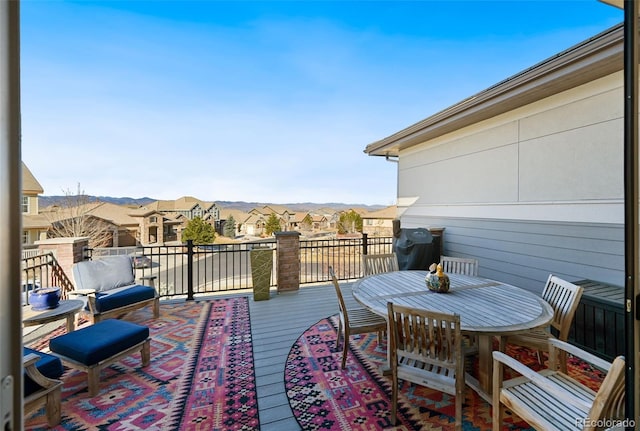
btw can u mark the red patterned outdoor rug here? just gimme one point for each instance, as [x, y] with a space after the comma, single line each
[201, 376]
[325, 397]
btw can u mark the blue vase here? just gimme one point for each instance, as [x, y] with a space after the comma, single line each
[44, 298]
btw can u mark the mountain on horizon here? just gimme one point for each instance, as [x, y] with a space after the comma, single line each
[45, 201]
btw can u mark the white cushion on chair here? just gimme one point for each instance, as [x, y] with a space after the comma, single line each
[104, 274]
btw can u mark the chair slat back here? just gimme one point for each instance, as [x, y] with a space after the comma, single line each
[459, 265]
[379, 263]
[426, 336]
[564, 298]
[341, 304]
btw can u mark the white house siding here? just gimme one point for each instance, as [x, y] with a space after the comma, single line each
[537, 190]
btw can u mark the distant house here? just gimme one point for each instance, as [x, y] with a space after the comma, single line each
[379, 223]
[285, 216]
[163, 221]
[329, 217]
[155, 227]
[34, 224]
[527, 175]
[187, 206]
[254, 224]
[299, 221]
[239, 218]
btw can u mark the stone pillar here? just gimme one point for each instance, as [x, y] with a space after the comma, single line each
[67, 251]
[288, 261]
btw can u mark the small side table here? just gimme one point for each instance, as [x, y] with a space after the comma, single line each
[67, 309]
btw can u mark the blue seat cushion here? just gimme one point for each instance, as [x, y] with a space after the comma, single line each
[48, 365]
[97, 342]
[110, 301]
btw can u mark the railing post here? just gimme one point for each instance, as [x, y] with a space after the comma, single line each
[365, 243]
[190, 270]
[288, 261]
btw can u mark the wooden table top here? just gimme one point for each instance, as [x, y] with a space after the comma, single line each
[64, 308]
[485, 306]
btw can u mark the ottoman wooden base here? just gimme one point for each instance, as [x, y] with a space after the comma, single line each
[120, 338]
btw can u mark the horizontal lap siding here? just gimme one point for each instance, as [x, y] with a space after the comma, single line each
[524, 253]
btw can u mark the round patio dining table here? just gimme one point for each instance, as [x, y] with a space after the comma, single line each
[486, 307]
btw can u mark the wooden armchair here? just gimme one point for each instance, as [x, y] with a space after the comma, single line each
[108, 285]
[564, 298]
[379, 263]
[426, 348]
[459, 265]
[354, 320]
[551, 400]
[39, 388]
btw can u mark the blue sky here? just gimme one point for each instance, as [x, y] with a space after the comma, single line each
[261, 101]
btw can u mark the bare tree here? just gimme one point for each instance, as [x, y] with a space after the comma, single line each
[73, 218]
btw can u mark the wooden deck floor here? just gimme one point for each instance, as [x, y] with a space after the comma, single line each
[276, 324]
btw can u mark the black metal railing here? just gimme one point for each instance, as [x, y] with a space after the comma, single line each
[189, 270]
[344, 255]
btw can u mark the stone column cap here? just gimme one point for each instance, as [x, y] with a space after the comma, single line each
[287, 233]
[61, 240]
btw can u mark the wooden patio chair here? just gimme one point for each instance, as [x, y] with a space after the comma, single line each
[459, 265]
[109, 289]
[42, 386]
[550, 399]
[426, 348]
[379, 263]
[564, 298]
[464, 266]
[354, 320]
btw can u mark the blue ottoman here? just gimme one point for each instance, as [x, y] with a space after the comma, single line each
[97, 346]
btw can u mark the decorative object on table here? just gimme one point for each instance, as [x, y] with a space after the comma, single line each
[44, 298]
[437, 280]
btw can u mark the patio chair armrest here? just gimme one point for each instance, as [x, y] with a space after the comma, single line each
[579, 353]
[29, 365]
[150, 278]
[89, 296]
[82, 292]
[538, 379]
[514, 364]
[29, 359]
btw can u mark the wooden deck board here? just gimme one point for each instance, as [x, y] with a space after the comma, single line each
[275, 325]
